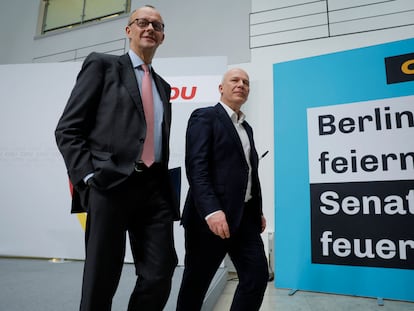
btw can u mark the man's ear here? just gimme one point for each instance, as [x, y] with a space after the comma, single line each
[128, 32]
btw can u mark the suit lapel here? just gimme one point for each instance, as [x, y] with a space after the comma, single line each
[160, 87]
[228, 123]
[253, 158]
[128, 78]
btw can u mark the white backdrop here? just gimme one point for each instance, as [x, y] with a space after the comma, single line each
[35, 216]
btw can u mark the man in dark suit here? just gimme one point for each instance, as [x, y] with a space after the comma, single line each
[223, 209]
[101, 135]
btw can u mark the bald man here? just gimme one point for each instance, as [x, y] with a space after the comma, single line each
[223, 209]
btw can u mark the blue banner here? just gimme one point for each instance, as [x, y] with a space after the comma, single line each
[344, 172]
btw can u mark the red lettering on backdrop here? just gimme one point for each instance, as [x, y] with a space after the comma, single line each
[193, 92]
[70, 188]
[175, 93]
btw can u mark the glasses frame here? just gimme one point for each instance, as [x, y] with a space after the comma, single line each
[156, 25]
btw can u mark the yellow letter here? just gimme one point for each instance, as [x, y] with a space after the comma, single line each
[405, 67]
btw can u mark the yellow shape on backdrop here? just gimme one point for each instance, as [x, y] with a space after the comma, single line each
[82, 220]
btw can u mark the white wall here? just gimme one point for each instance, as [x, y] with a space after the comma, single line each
[192, 28]
[219, 28]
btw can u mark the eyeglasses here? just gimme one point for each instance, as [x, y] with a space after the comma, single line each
[143, 23]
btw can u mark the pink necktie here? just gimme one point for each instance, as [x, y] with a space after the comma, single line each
[148, 103]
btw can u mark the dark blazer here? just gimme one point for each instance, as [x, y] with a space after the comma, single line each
[217, 169]
[102, 128]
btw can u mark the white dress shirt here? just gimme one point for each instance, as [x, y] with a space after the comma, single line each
[238, 120]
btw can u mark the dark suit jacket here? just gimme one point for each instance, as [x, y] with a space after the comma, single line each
[217, 169]
[102, 128]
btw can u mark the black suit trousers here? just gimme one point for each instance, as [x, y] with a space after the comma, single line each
[137, 206]
[204, 254]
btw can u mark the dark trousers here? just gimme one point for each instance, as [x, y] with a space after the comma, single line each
[204, 254]
[137, 206]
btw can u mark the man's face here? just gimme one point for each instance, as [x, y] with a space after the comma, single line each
[144, 37]
[235, 88]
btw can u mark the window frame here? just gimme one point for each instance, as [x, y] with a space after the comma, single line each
[82, 22]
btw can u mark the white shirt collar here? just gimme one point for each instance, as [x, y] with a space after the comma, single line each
[136, 60]
[236, 118]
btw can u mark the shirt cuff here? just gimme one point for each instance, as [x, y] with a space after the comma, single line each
[211, 214]
[86, 178]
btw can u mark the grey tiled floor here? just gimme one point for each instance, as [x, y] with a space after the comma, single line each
[39, 285]
[28, 284]
[279, 300]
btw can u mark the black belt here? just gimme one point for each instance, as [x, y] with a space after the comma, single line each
[140, 167]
